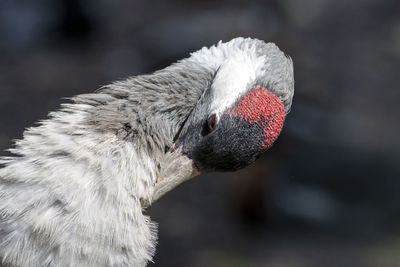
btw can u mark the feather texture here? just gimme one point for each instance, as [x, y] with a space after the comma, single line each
[71, 194]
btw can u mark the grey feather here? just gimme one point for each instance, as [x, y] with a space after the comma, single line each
[72, 194]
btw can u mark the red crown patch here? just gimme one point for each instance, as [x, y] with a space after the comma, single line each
[262, 107]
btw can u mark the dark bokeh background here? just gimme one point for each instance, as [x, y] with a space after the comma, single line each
[326, 194]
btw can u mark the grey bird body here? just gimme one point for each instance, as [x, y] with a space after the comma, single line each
[75, 190]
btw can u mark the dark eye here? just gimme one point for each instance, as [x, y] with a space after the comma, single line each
[212, 120]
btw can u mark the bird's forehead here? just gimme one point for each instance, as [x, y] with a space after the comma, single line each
[233, 79]
[260, 106]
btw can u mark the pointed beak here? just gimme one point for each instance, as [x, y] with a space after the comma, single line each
[175, 169]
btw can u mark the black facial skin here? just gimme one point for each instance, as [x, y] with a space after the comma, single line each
[233, 144]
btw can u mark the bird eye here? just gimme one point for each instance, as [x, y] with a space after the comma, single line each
[212, 120]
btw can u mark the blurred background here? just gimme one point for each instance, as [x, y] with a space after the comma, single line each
[326, 194]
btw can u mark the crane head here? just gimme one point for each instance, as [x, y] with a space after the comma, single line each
[241, 112]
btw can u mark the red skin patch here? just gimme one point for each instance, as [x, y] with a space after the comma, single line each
[262, 107]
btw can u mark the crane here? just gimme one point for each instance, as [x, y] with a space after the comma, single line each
[76, 188]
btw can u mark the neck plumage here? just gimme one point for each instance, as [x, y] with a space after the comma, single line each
[72, 192]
